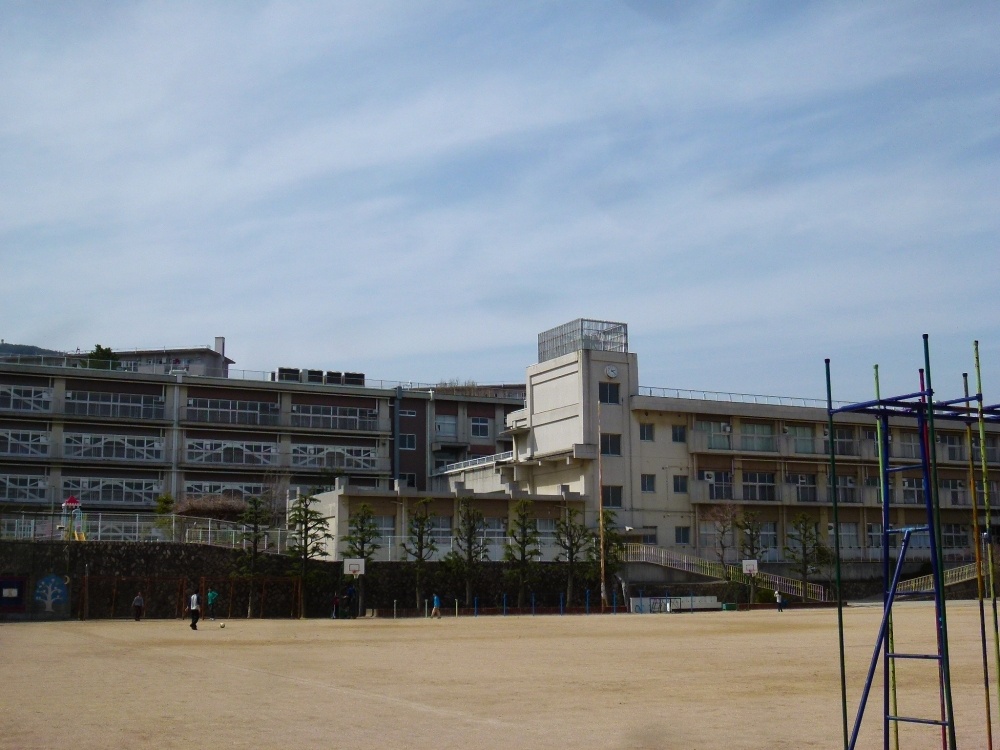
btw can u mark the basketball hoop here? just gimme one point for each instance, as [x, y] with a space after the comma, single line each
[354, 566]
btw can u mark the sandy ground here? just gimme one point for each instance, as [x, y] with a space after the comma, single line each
[712, 680]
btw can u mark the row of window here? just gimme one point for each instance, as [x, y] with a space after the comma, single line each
[441, 527]
[953, 536]
[446, 426]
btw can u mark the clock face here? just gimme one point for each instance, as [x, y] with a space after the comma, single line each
[611, 371]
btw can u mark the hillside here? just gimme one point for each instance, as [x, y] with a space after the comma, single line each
[25, 349]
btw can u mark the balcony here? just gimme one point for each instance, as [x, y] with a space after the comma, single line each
[123, 408]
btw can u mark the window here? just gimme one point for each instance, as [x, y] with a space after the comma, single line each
[611, 444]
[647, 535]
[707, 534]
[546, 528]
[227, 411]
[843, 442]
[440, 527]
[334, 417]
[769, 540]
[607, 393]
[805, 487]
[446, 426]
[611, 495]
[718, 434]
[802, 439]
[913, 490]
[954, 535]
[758, 486]
[680, 483]
[407, 442]
[953, 492]
[646, 432]
[848, 535]
[953, 445]
[480, 427]
[495, 528]
[720, 484]
[846, 492]
[407, 412]
[908, 445]
[682, 535]
[408, 479]
[648, 482]
[23, 487]
[678, 433]
[757, 437]
[386, 526]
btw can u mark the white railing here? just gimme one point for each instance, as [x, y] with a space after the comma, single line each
[137, 527]
[737, 398]
[648, 553]
[496, 458]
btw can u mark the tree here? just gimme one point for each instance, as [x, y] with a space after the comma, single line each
[522, 550]
[420, 545]
[609, 547]
[309, 532]
[806, 549]
[472, 549]
[574, 539]
[165, 511]
[361, 542]
[751, 529]
[255, 519]
[102, 358]
[725, 518]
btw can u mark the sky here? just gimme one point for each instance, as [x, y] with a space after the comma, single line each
[415, 190]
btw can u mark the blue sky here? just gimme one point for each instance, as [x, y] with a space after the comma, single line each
[416, 190]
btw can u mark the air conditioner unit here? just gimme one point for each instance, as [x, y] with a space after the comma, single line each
[961, 485]
[784, 430]
[708, 476]
[727, 428]
[849, 481]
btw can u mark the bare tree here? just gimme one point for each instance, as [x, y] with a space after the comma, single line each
[806, 549]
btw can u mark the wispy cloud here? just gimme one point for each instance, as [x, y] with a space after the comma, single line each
[413, 187]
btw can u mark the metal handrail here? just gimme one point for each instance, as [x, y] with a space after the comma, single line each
[951, 576]
[648, 553]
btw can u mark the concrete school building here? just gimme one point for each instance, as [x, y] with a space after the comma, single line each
[665, 461]
[184, 421]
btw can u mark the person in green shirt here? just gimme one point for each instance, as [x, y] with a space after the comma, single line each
[212, 596]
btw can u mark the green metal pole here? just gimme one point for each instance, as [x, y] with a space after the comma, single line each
[836, 541]
[979, 567]
[987, 511]
[936, 510]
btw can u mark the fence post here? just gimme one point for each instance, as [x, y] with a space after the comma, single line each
[475, 607]
[456, 606]
[588, 602]
[393, 609]
[561, 603]
[532, 603]
[614, 601]
[505, 604]
[425, 608]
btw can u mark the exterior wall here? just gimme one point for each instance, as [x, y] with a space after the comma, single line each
[119, 439]
[339, 504]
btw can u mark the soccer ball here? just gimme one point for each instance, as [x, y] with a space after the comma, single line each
[222, 624]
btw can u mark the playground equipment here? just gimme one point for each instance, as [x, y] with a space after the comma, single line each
[922, 408]
[72, 520]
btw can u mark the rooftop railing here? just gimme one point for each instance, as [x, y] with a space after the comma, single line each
[735, 398]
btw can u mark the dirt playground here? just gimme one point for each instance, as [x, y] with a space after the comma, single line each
[730, 680]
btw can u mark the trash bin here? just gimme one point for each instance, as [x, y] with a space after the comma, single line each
[727, 607]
